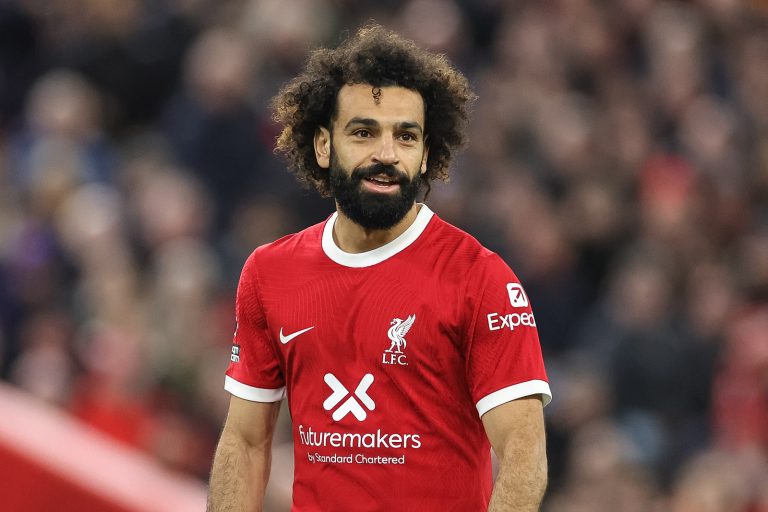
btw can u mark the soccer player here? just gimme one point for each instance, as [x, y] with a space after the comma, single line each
[406, 349]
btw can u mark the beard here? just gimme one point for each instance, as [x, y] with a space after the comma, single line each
[372, 210]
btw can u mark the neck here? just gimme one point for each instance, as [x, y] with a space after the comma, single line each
[353, 238]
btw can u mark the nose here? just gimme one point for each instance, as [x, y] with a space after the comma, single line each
[386, 154]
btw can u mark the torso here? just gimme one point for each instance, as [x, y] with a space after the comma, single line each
[383, 419]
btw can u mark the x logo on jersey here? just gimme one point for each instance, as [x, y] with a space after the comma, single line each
[351, 404]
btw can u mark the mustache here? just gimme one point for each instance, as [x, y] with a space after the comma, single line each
[390, 171]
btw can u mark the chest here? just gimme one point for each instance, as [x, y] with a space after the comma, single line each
[400, 320]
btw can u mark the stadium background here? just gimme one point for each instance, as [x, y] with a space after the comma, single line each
[618, 161]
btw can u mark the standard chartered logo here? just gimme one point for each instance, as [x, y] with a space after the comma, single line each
[351, 404]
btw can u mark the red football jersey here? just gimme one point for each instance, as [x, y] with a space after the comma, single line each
[388, 359]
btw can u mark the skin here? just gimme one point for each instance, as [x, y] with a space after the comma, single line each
[243, 457]
[516, 432]
[365, 132]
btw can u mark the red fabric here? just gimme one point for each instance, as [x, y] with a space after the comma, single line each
[450, 284]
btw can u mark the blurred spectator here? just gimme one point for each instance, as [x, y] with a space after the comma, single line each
[740, 388]
[19, 44]
[711, 482]
[61, 143]
[130, 49]
[213, 126]
[45, 367]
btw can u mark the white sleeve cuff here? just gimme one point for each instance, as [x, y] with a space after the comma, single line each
[247, 392]
[523, 389]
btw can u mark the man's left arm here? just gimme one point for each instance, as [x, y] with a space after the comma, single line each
[516, 432]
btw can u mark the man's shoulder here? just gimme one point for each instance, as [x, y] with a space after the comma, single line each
[303, 244]
[466, 250]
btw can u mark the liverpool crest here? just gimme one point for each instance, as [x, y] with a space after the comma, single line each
[396, 333]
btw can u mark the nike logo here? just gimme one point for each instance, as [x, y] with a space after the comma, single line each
[285, 339]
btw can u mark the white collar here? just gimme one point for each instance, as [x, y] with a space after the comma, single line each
[369, 258]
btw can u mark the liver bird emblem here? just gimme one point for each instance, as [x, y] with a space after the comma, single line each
[397, 333]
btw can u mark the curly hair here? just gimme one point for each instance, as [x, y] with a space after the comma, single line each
[378, 57]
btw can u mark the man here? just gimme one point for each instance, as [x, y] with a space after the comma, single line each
[402, 345]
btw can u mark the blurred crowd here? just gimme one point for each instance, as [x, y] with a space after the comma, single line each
[618, 161]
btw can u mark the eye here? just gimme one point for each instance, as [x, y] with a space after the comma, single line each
[408, 137]
[363, 133]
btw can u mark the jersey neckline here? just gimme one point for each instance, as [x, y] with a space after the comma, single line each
[369, 258]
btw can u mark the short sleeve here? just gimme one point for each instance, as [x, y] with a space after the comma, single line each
[504, 360]
[254, 372]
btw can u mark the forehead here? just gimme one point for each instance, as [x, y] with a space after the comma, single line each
[395, 104]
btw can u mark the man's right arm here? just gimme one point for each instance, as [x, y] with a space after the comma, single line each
[243, 457]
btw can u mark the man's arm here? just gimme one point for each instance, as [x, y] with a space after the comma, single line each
[516, 432]
[243, 457]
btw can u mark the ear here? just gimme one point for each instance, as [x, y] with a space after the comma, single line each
[425, 157]
[323, 147]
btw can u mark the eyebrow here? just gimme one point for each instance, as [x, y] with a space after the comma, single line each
[372, 123]
[410, 125]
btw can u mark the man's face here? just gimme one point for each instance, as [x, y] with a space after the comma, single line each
[376, 153]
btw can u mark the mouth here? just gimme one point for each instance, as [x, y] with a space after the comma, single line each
[381, 183]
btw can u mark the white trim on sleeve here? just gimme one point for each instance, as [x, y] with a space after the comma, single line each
[523, 389]
[247, 392]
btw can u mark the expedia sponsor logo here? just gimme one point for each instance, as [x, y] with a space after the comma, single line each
[517, 296]
[510, 321]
